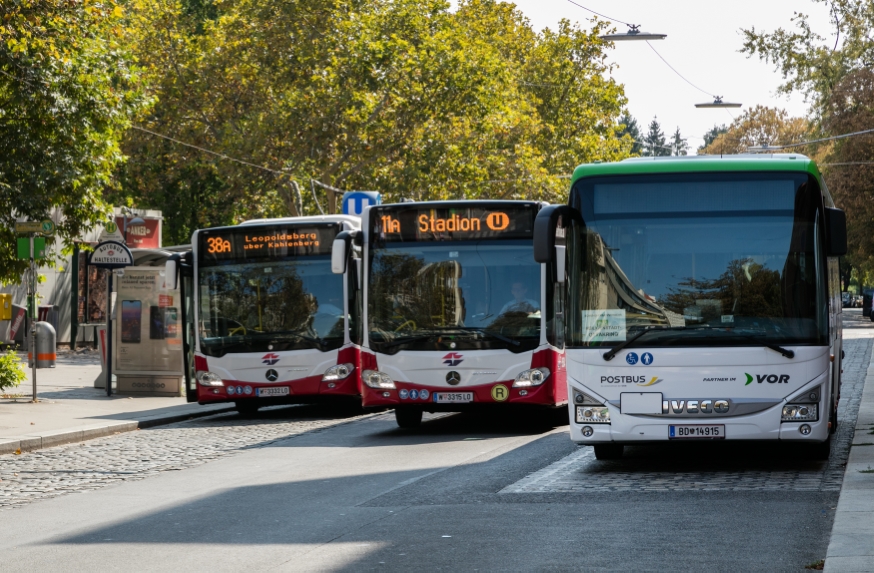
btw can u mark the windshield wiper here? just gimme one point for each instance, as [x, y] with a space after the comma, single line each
[296, 334]
[656, 328]
[500, 337]
[776, 348]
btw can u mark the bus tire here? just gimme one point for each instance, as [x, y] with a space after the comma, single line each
[609, 451]
[408, 417]
[246, 408]
[822, 450]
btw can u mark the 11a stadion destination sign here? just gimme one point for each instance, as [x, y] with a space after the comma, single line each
[445, 223]
[265, 242]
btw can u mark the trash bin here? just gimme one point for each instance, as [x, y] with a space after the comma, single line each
[46, 346]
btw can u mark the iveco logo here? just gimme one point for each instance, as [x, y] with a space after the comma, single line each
[272, 375]
[453, 378]
[695, 406]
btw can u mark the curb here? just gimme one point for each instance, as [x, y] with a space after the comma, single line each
[51, 439]
[851, 545]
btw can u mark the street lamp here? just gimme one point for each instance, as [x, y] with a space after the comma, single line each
[633, 34]
[717, 103]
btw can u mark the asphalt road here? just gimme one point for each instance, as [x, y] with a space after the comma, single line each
[305, 489]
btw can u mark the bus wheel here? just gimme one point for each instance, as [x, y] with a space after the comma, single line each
[408, 417]
[822, 450]
[246, 408]
[609, 451]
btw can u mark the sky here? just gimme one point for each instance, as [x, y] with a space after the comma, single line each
[702, 44]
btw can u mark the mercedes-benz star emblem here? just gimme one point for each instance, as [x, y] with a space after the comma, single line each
[453, 377]
[272, 375]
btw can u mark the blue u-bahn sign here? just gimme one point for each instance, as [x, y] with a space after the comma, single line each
[354, 202]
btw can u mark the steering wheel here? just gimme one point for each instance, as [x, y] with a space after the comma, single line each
[405, 324]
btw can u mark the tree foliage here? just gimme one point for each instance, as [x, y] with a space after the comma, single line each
[630, 128]
[679, 144]
[401, 96]
[654, 141]
[759, 126]
[68, 87]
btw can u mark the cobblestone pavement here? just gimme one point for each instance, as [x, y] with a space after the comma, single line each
[137, 455]
[727, 467]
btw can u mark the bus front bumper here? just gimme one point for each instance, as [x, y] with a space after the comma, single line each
[495, 393]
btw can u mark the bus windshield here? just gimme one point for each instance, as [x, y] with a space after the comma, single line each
[282, 296]
[728, 259]
[454, 295]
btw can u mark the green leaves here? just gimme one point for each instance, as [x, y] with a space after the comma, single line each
[401, 96]
[67, 90]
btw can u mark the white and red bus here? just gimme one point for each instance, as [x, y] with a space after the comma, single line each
[266, 321]
[457, 314]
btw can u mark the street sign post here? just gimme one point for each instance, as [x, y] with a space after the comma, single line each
[110, 255]
[32, 248]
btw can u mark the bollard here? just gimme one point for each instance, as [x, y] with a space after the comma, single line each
[46, 345]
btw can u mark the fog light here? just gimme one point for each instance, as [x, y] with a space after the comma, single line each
[332, 385]
[804, 429]
[588, 431]
[579, 398]
[523, 392]
[386, 394]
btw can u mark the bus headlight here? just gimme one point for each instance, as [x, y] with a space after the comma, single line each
[533, 377]
[208, 378]
[593, 415]
[799, 413]
[337, 372]
[377, 379]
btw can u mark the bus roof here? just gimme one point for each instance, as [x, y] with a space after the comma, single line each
[700, 164]
[353, 220]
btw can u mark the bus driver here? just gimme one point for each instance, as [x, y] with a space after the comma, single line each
[519, 302]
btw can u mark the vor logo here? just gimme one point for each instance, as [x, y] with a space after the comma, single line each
[270, 359]
[452, 359]
[769, 378]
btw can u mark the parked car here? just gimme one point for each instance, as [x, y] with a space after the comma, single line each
[846, 299]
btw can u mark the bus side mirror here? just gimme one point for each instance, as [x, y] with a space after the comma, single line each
[340, 251]
[836, 232]
[170, 269]
[546, 225]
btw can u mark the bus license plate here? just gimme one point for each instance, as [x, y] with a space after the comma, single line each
[277, 391]
[453, 397]
[714, 431]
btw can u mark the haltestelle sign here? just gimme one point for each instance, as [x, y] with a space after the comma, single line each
[111, 255]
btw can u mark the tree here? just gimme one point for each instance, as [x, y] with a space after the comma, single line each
[654, 141]
[759, 126]
[405, 97]
[68, 88]
[632, 130]
[711, 135]
[679, 145]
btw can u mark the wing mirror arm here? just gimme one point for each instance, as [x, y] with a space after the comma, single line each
[549, 225]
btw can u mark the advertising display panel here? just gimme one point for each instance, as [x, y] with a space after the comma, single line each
[147, 339]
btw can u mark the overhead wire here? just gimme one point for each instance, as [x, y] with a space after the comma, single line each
[599, 14]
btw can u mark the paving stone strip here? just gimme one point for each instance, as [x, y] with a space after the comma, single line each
[701, 468]
[137, 455]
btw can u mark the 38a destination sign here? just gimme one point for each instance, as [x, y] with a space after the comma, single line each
[265, 242]
[447, 223]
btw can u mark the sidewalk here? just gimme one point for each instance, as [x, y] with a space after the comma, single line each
[852, 542]
[70, 409]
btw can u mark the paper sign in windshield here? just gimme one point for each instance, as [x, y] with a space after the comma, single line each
[603, 325]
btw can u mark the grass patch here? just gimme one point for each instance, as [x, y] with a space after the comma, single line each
[816, 565]
[868, 471]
